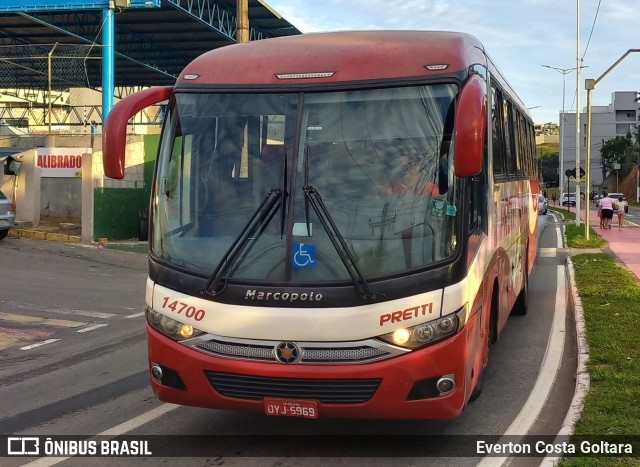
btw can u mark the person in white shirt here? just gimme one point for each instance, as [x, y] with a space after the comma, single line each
[621, 204]
[605, 206]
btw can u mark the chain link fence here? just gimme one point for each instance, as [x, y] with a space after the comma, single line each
[58, 66]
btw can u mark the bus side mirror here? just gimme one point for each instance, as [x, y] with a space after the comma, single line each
[114, 132]
[470, 128]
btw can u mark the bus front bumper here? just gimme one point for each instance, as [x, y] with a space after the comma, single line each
[405, 389]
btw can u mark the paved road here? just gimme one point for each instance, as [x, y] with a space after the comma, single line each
[73, 362]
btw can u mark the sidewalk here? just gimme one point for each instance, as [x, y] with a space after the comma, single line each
[624, 244]
[69, 232]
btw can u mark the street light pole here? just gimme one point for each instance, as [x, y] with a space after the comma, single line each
[564, 72]
[589, 85]
[587, 178]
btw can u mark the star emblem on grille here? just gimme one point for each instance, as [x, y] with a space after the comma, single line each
[287, 352]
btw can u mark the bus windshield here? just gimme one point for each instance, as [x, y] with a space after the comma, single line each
[307, 186]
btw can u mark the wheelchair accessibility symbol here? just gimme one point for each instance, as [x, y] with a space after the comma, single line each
[303, 255]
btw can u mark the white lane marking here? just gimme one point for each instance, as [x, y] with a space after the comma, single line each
[92, 328]
[548, 371]
[38, 344]
[583, 379]
[135, 315]
[117, 430]
[90, 314]
[548, 252]
[559, 233]
[550, 367]
[130, 425]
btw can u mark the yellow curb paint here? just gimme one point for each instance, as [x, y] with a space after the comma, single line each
[37, 235]
[56, 237]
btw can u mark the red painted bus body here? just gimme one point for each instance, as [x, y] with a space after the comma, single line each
[340, 226]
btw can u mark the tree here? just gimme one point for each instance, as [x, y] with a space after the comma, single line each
[636, 145]
[549, 164]
[614, 151]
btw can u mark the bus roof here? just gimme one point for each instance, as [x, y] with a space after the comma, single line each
[350, 55]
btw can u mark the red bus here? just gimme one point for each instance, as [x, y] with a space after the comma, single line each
[340, 224]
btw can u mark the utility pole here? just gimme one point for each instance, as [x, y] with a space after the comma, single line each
[578, 60]
[242, 12]
[49, 77]
[564, 72]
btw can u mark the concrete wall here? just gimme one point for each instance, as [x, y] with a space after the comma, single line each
[112, 207]
[61, 198]
[547, 139]
[55, 198]
[39, 198]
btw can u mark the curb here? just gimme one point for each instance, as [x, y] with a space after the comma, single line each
[40, 235]
[583, 379]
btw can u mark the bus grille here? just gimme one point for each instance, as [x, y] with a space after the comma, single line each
[330, 391]
[312, 353]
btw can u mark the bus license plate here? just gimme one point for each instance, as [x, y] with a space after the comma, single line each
[291, 408]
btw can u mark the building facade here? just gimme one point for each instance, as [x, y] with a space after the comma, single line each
[618, 118]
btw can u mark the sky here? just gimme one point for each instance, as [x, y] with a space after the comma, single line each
[520, 36]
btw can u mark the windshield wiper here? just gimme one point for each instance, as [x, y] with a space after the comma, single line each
[259, 219]
[315, 200]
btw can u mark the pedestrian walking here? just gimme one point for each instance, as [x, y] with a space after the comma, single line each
[621, 203]
[600, 216]
[605, 208]
[553, 197]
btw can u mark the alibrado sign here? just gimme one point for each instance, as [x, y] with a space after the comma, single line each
[60, 162]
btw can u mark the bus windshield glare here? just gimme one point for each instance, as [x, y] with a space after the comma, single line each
[307, 186]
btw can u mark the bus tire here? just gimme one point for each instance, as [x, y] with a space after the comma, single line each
[492, 338]
[493, 318]
[478, 389]
[521, 307]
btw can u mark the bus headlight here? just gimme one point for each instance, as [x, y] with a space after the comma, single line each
[425, 334]
[170, 327]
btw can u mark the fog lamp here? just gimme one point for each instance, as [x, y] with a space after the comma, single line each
[401, 336]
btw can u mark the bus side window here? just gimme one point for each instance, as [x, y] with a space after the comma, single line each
[510, 149]
[497, 131]
[478, 205]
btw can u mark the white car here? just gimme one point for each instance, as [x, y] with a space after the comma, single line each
[7, 215]
[568, 199]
